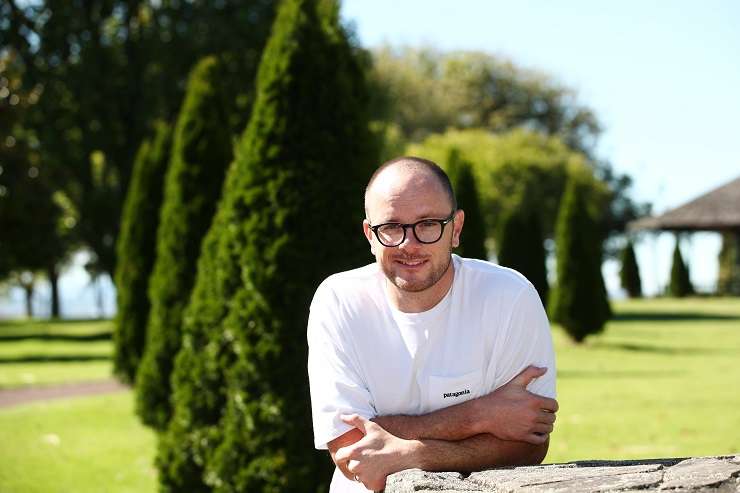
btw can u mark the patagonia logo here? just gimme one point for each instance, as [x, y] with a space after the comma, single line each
[455, 394]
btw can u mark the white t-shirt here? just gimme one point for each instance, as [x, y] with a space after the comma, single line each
[368, 358]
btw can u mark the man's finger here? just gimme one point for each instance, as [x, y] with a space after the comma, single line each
[355, 420]
[536, 438]
[541, 428]
[546, 417]
[550, 405]
[344, 454]
[527, 375]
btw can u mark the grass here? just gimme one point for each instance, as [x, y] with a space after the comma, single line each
[90, 444]
[42, 353]
[663, 380]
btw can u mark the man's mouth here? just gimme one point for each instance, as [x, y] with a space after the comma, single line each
[411, 262]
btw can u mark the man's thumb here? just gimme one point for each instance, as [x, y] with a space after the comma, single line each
[355, 420]
[527, 375]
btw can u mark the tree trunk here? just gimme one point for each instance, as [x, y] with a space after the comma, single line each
[53, 276]
[28, 288]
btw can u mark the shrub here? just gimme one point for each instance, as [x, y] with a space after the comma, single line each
[201, 152]
[680, 283]
[473, 239]
[136, 250]
[579, 301]
[521, 246]
[629, 275]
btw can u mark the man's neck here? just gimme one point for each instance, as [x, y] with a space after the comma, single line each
[421, 301]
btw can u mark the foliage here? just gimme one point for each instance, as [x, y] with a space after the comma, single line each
[136, 250]
[505, 166]
[34, 232]
[423, 92]
[729, 271]
[629, 274]
[521, 247]
[680, 282]
[578, 302]
[201, 153]
[242, 414]
[473, 240]
[101, 71]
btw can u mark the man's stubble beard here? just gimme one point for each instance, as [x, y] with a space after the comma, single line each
[431, 280]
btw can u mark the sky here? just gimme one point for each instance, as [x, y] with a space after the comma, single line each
[662, 76]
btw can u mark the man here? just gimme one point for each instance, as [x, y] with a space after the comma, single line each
[425, 359]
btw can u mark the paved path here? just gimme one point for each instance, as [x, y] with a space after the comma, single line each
[14, 397]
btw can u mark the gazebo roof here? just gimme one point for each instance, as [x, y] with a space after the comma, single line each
[716, 210]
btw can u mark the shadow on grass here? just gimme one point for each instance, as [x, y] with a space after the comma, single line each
[60, 358]
[98, 336]
[670, 317]
[650, 349]
[616, 374]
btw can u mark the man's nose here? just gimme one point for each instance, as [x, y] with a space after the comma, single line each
[410, 241]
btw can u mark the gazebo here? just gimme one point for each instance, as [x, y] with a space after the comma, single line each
[717, 210]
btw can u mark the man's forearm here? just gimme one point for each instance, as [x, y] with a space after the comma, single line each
[451, 423]
[474, 454]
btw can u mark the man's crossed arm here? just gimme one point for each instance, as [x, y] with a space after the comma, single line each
[510, 426]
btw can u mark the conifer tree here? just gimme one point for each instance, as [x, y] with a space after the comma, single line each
[201, 152]
[680, 283]
[289, 216]
[473, 239]
[579, 301]
[521, 246]
[629, 275]
[729, 272]
[136, 250]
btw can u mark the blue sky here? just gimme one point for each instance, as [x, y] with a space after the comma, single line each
[662, 76]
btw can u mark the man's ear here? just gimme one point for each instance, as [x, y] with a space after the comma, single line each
[457, 227]
[368, 234]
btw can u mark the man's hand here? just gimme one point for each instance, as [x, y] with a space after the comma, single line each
[513, 413]
[376, 455]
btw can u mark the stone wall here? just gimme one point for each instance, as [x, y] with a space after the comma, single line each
[705, 474]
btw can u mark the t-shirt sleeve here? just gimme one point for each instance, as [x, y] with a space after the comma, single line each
[527, 341]
[335, 380]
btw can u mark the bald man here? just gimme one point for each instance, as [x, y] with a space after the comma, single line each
[424, 359]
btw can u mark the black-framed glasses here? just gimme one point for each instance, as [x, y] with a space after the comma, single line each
[426, 231]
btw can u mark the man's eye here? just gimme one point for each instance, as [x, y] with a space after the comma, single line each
[428, 224]
[390, 228]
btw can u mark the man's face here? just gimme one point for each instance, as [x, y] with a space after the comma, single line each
[403, 195]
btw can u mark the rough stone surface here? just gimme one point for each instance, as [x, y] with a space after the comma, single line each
[703, 474]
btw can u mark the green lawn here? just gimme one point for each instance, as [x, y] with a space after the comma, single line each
[663, 380]
[88, 444]
[41, 353]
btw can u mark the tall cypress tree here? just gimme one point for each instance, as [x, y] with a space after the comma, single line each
[136, 250]
[579, 301]
[521, 246]
[473, 240]
[201, 152]
[680, 283]
[290, 214]
[729, 272]
[629, 275]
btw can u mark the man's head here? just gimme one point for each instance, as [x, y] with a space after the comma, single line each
[408, 190]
